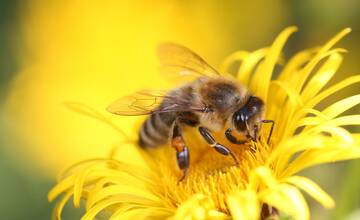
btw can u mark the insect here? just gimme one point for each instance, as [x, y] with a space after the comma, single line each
[209, 101]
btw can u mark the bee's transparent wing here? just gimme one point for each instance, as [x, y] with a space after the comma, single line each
[178, 61]
[140, 103]
[150, 101]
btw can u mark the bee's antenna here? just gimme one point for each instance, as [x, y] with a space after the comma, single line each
[271, 129]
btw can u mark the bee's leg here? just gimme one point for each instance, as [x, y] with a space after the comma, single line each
[205, 133]
[233, 139]
[182, 151]
[271, 129]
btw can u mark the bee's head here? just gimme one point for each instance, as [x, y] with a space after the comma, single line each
[247, 119]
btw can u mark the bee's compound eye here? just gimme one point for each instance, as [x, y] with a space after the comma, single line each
[239, 120]
[254, 104]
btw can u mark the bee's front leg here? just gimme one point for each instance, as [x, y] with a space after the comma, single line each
[205, 133]
[233, 139]
[271, 129]
[182, 151]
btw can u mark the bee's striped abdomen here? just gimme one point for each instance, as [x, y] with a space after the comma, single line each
[156, 129]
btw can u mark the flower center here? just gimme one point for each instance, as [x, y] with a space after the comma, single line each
[211, 174]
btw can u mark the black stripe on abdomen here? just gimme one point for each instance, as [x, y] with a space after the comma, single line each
[155, 130]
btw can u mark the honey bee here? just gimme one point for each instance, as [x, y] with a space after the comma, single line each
[210, 102]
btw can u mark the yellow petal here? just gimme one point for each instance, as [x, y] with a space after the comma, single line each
[293, 96]
[323, 52]
[285, 91]
[322, 76]
[124, 212]
[289, 147]
[60, 188]
[335, 39]
[198, 207]
[307, 111]
[60, 205]
[262, 175]
[298, 80]
[333, 89]
[312, 189]
[91, 214]
[290, 71]
[288, 199]
[330, 112]
[337, 133]
[261, 80]
[142, 213]
[296, 63]
[127, 209]
[79, 186]
[334, 152]
[244, 205]
[122, 189]
[238, 56]
[341, 121]
[341, 106]
[247, 66]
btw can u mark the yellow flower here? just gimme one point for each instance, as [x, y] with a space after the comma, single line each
[266, 180]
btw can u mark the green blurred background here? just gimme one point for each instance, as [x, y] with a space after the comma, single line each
[30, 153]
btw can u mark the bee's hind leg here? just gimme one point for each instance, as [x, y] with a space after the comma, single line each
[205, 133]
[182, 151]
